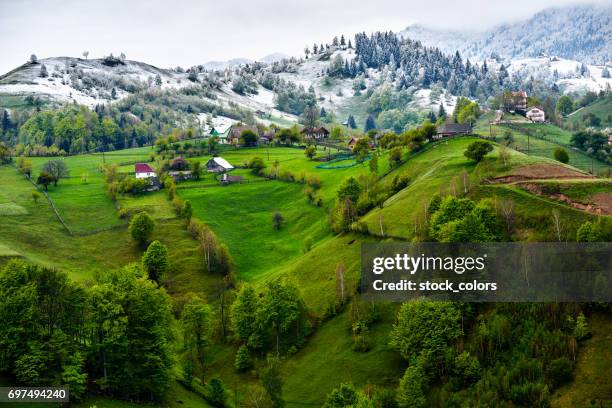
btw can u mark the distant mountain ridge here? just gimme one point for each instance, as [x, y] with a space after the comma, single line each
[236, 62]
[581, 33]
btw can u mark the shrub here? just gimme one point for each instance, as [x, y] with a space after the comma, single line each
[559, 371]
[215, 392]
[277, 220]
[257, 165]
[141, 227]
[467, 368]
[314, 181]
[399, 182]
[478, 150]
[131, 185]
[155, 260]
[561, 155]
[308, 244]
[243, 359]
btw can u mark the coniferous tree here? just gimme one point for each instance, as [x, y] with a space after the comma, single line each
[370, 124]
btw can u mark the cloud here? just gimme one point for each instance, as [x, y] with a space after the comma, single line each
[188, 32]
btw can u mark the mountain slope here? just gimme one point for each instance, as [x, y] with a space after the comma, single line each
[578, 32]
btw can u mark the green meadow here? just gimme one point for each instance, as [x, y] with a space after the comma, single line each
[241, 216]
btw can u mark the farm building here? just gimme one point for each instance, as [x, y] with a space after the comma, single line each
[267, 136]
[227, 179]
[143, 170]
[218, 165]
[517, 102]
[452, 129]
[536, 114]
[180, 175]
[353, 142]
[315, 133]
[233, 137]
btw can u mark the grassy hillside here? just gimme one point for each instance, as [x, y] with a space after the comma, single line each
[241, 216]
[591, 385]
[601, 108]
[542, 142]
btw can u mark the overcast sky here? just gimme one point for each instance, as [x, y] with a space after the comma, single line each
[188, 32]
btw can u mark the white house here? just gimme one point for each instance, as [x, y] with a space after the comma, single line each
[143, 171]
[536, 114]
[218, 165]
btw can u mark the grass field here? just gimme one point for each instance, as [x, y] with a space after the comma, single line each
[430, 172]
[602, 108]
[84, 191]
[591, 386]
[241, 215]
[546, 139]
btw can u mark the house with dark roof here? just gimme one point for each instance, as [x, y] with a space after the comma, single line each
[517, 102]
[452, 129]
[143, 170]
[315, 133]
[233, 136]
[227, 179]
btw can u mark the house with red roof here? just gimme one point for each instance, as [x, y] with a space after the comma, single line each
[143, 171]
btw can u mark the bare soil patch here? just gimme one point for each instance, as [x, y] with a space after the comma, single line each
[599, 203]
[541, 172]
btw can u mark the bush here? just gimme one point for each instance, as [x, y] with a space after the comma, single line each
[141, 227]
[277, 220]
[215, 393]
[478, 150]
[561, 155]
[155, 261]
[131, 185]
[559, 371]
[467, 368]
[243, 359]
[257, 165]
[399, 182]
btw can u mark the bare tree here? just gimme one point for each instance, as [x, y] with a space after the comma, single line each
[558, 226]
[340, 284]
[466, 182]
[504, 154]
[86, 54]
[507, 212]
[208, 244]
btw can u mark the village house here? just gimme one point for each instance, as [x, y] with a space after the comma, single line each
[452, 129]
[180, 175]
[517, 102]
[354, 140]
[233, 136]
[227, 179]
[143, 171]
[315, 133]
[536, 114]
[267, 136]
[218, 165]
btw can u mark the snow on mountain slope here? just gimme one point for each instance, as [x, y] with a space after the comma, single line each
[576, 32]
[567, 74]
[87, 82]
[90, 82]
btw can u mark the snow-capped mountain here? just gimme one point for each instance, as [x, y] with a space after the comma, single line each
[581, 33]
[67, 79]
